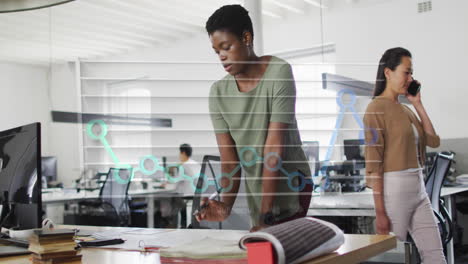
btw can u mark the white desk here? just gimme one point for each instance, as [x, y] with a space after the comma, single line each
[357, 203]
[70, 195]
[342, 204]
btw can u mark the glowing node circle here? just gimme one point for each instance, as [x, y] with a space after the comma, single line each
[243, 161]
[302, 181]
[89, 129]
[155, 162]
[267, 157]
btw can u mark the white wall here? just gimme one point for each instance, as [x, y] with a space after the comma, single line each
[293, 32]
[361, 32]
[65, 136]
[436, 40]
[24, 99]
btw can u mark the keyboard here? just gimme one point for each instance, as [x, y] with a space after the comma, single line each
[17, 242]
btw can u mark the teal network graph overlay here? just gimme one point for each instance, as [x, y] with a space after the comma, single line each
[344, 107]
[303, 180]
[182, 176]
[119, 165]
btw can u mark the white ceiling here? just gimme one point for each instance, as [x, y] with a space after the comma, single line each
[90, 29]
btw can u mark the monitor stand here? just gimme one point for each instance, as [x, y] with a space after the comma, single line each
[6, 210]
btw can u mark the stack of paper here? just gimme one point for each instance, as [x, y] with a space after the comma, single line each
[206, 248]
[201, 246]
[293, 242]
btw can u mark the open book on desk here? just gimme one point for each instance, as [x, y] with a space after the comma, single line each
[292, 242]
[206, 248]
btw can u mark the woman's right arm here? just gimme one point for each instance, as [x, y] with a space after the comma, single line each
[382, 220]
[432, 138]
[229, 165]
[219, 211]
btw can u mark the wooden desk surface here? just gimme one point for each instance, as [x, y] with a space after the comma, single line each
[357, 248]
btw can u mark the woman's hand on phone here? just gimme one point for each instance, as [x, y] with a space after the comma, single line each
[414, 99]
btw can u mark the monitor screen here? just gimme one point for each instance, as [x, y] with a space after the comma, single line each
[354, 149]
[20, 170]
[311, 150]
[49, 168]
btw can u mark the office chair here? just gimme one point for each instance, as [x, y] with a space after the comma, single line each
[433, 183]
[138, 211]
[239, 218]
[207, 163]
[112, 206]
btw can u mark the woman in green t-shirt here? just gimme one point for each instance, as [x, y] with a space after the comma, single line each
[253, 114]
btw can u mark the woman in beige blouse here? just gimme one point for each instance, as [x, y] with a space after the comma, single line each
[395, 154]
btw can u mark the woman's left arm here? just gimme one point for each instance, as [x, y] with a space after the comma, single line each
[273, 154]
[282, 117]
[432, 138]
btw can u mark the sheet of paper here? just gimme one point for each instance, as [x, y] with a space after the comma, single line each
[172, 238]
[145, 231]
[206, 248]
[111, 233]
[182, 236]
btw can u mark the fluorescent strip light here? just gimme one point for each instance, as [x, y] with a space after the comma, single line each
[315, 3]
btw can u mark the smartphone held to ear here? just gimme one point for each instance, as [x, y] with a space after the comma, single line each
[414, 88]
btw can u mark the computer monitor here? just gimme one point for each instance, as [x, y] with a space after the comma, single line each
[49, 168]
[353, 149]
[311, 150]
[20, 174]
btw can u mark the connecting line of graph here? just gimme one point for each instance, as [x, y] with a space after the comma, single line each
[303, 180]
[349, 106]
[223, 177]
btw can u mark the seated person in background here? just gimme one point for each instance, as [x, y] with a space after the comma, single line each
[191, 168]
[170, 209]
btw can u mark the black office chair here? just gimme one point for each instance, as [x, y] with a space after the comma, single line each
[138, 211]
[239, 218]
[112, 206]
[433, 183]
[207, 169]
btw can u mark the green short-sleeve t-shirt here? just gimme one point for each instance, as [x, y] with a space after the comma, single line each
[246, 116]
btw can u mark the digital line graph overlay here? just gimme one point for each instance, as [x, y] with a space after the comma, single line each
[182, 176]
[303, 179]
[348, 106]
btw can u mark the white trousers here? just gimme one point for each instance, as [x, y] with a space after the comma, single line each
[409, 209]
